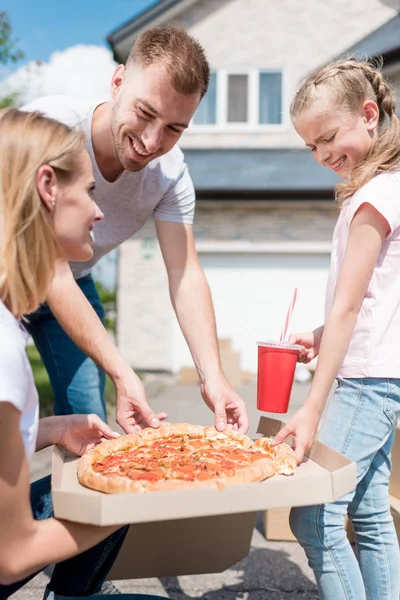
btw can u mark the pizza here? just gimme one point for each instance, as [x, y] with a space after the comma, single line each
[180, 455]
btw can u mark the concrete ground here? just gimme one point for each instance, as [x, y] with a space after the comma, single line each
[272, 570]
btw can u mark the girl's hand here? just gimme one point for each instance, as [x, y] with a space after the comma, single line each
[80, 433]
[310, 341]
[303, 426]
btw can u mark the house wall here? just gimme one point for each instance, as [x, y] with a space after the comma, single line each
[292, 35]
[144, 311]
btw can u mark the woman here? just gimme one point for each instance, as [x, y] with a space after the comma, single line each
[47, 215]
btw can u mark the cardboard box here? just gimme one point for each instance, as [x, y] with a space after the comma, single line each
[395, 510]
[394, 481]
[196, 531]
[276, 525]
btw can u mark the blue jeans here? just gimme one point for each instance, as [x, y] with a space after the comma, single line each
[77, 382]
[81, 575]
[360, 423]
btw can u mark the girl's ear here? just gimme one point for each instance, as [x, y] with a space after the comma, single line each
[371, 114]
[46, 184]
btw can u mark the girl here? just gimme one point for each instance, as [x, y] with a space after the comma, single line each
[345, 113]
[46, 214]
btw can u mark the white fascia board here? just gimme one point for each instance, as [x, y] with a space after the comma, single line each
[236, 247]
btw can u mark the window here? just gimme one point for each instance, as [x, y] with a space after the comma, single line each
[237, 99]
[206, 114]
[270, 98]
[252, 98]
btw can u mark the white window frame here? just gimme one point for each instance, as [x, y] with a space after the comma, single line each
[253, 91]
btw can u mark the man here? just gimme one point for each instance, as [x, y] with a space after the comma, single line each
[139, 173]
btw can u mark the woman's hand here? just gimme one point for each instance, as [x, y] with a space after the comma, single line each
[80, 433]
[310, 341]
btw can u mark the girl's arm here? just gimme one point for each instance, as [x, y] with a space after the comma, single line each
[28, 545]
[367, 234]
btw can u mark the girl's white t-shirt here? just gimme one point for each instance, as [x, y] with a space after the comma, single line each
[16, 378]
[374, 350]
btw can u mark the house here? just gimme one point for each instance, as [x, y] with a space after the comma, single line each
[265, 210]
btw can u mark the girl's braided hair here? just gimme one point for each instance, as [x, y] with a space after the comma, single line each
[351, 81]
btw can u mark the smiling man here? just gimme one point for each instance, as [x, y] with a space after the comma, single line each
[139, 173]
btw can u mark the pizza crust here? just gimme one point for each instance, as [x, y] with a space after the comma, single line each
[278, 459]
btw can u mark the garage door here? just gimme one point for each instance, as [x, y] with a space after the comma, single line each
[251, 294]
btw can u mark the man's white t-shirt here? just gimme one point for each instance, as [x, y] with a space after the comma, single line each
[162, 189]
[17, 385]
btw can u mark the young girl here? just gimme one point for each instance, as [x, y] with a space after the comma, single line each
[345, 113]
[46, 214]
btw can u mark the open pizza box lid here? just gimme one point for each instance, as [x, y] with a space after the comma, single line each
[214, 527]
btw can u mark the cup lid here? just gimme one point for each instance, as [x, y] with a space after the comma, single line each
[275, 344]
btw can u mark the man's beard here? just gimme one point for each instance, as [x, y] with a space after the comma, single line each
[127, 164]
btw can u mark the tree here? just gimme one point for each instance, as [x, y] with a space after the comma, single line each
[9, 52]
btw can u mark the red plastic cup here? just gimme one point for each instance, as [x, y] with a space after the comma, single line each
[275, 373]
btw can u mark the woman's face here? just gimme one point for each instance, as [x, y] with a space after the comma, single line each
[74, 213]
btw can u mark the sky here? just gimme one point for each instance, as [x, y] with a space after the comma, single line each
[64, 45]
[69, 38]
[44, 26]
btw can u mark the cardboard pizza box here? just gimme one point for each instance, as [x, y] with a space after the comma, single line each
[196, 531]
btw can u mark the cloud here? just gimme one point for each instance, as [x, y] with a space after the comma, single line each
[82, 71]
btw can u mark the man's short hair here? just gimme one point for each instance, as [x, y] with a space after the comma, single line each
[183, 57]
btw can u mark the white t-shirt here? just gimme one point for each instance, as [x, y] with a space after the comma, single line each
[16, 378]
[163, 188]
[374, 347]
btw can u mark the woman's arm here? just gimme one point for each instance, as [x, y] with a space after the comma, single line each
[28, 545]
[76, 433]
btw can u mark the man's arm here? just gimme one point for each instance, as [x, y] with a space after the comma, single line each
[79, 320]
[191, 299]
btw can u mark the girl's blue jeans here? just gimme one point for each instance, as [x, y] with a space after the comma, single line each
[360, 423]
[82, 575]
[77, 382]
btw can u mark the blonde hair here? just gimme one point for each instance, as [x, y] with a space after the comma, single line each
[183, 57]
[28, 247]
[350, 82]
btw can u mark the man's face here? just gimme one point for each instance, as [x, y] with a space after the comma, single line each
[148, 114]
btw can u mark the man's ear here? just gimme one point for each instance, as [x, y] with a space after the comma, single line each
[371, 114]
[46, 184]
[117, 80]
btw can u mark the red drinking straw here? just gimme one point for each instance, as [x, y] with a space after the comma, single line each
[289, 314]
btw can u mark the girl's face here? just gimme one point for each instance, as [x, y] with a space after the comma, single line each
[72, 208]
[338, 138]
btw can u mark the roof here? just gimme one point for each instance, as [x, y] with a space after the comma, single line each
[122, 38]
[258, 174]
[383, 41]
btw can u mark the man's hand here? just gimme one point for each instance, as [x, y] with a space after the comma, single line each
[133, 412]
[80, 433]
[310, 341]
[229, 408]
[303, 426]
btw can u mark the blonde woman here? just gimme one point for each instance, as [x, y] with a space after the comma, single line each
[46, 214]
